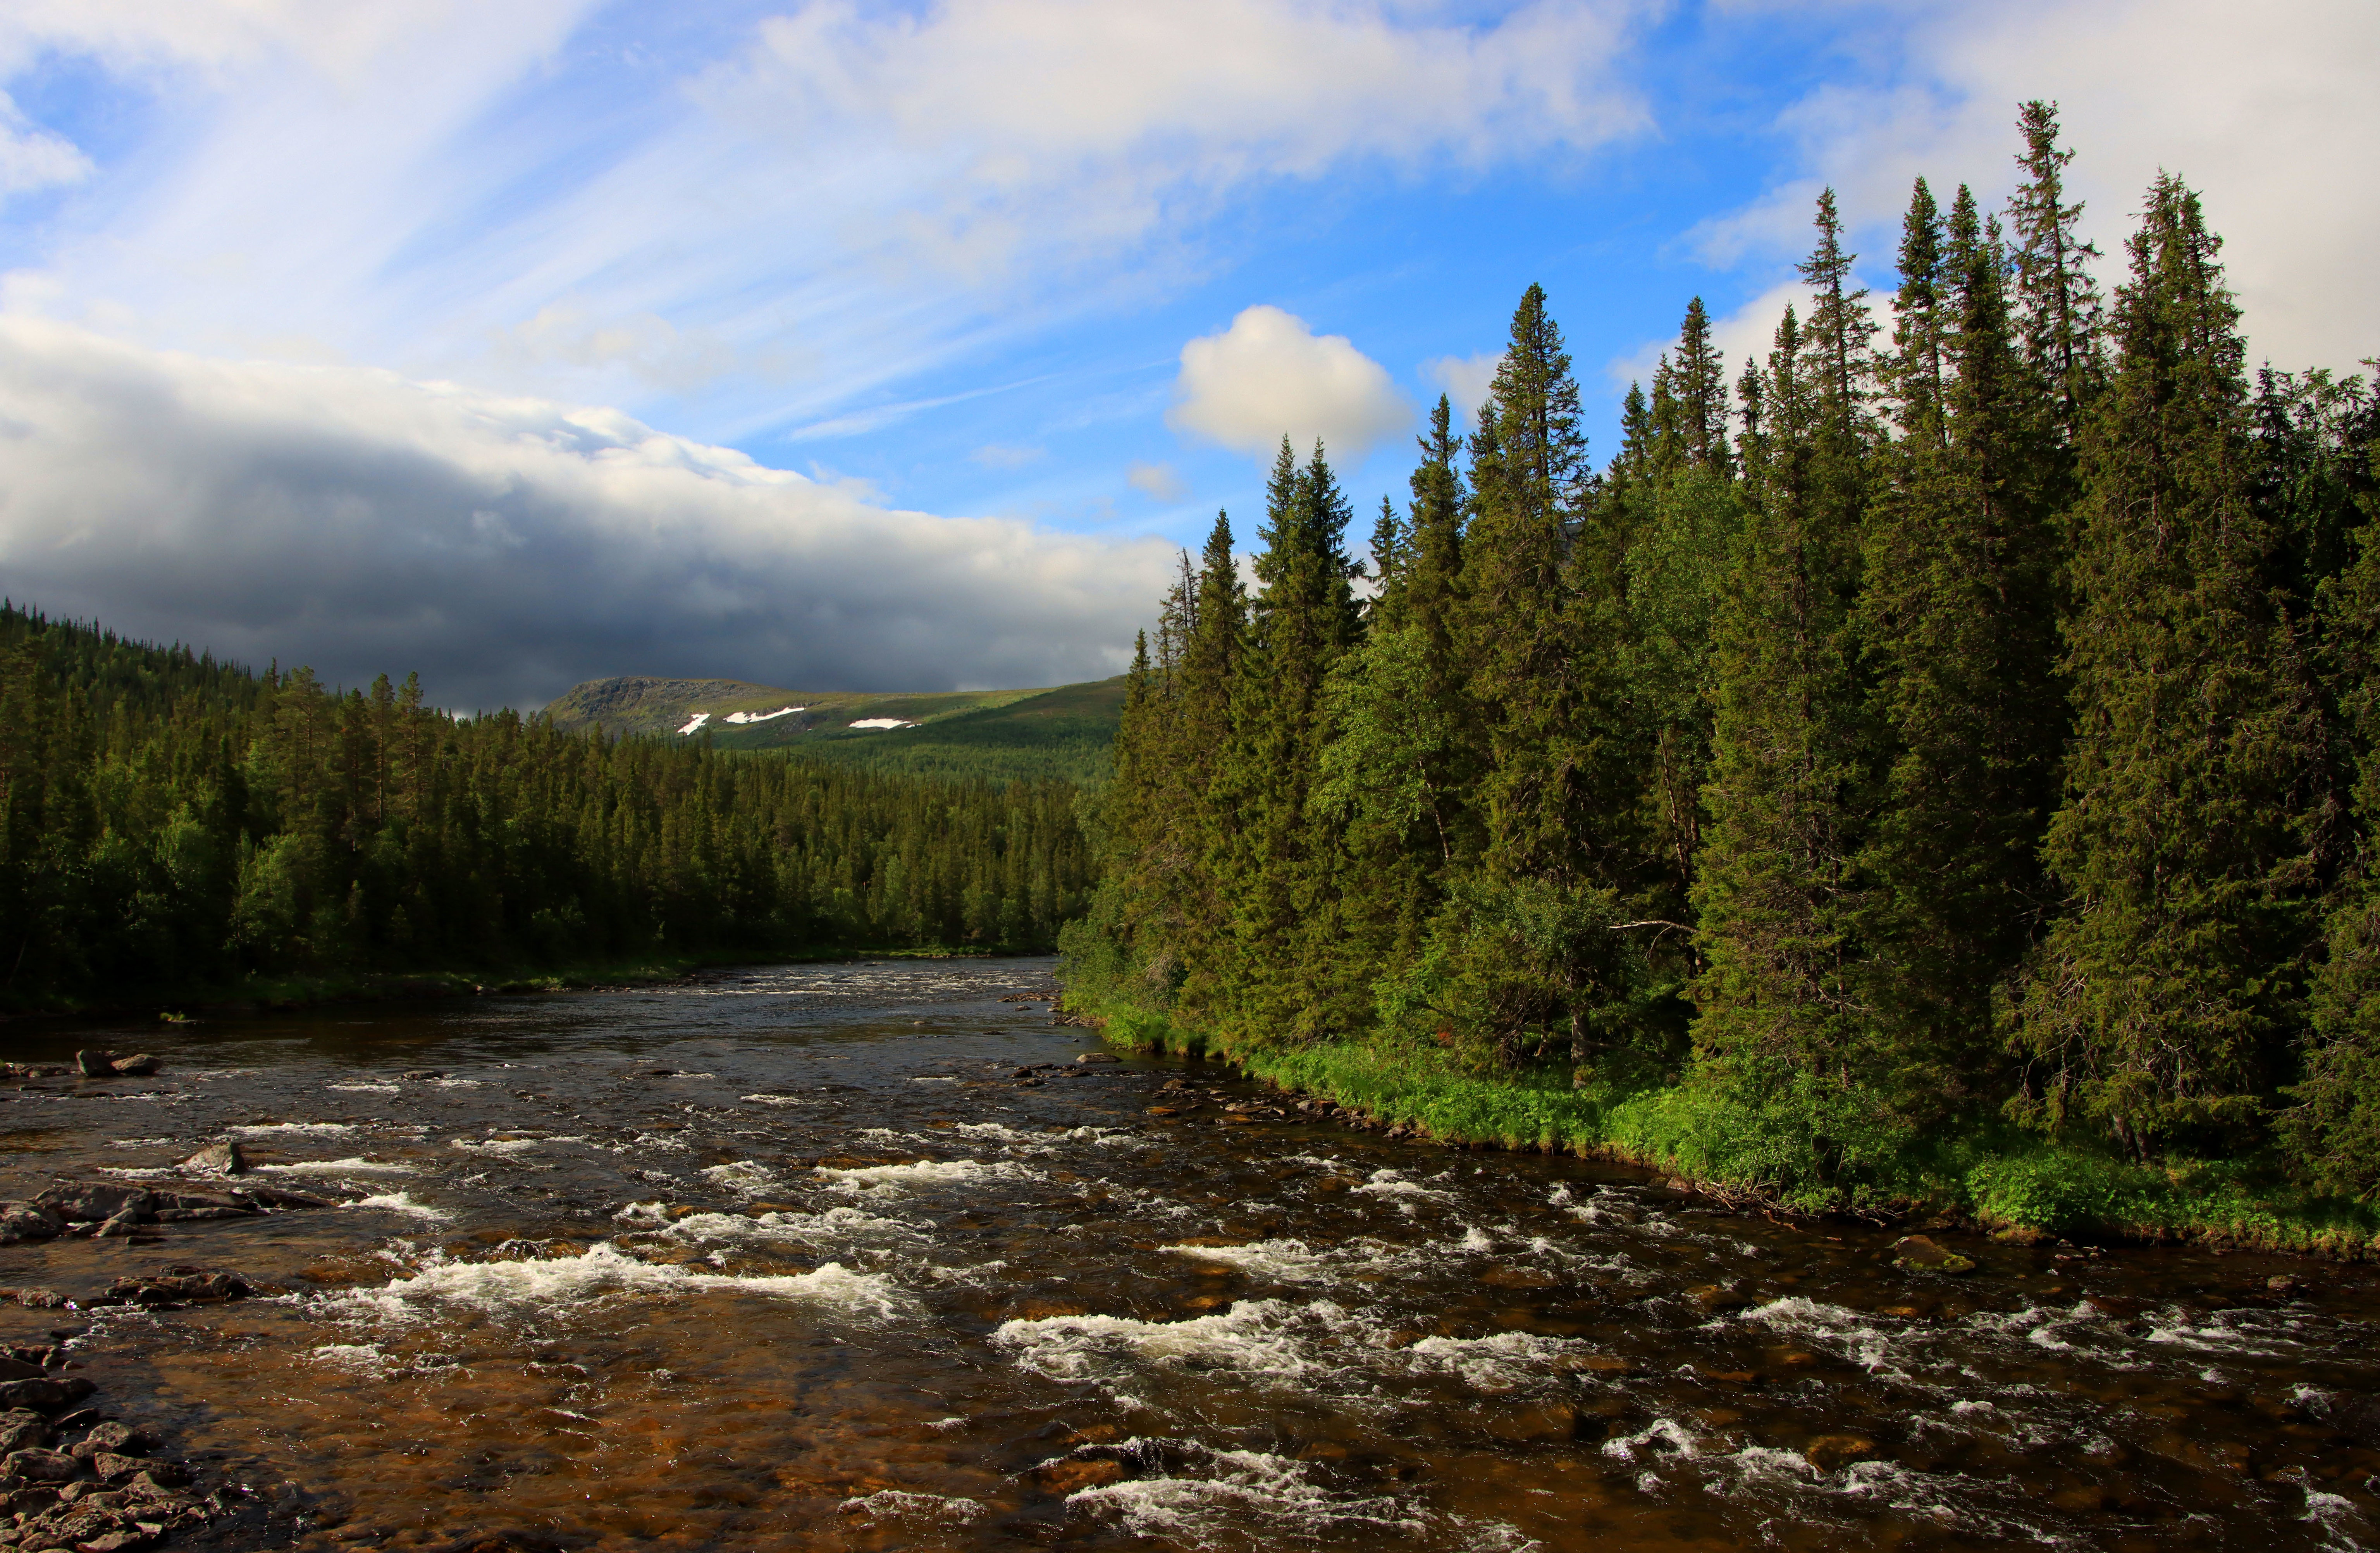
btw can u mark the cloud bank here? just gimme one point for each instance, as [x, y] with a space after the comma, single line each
[507, 547]
[1268, 375]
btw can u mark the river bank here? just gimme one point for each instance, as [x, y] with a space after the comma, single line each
[2010, 1185]
[281, 993]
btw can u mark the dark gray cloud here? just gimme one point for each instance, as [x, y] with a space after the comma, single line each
[505, 548]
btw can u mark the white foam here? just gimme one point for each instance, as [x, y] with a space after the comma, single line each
[929, 1172]
[344, 1167]
[400, 1202]
[361, 1358]
[1498, 1362]
[1844, 1331]
[293, 1129]
[900, 1503]
[780, 1101]
[1256, 1339]
[745, 1178]
[368, 1088]
[539, 1284]
[1393, 1184]
[1661, 1437]
[1237, 1486]
[509, 1146]
[1283, 1261]
[836, 1224]
[998, 1131]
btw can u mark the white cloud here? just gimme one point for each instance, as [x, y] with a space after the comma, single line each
[1157, 482]
[31, 157]
[1466, 380]
[506, 547]
[1268, 375]
[2268, 110]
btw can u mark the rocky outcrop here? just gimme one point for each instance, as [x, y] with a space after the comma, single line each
[24, 1221]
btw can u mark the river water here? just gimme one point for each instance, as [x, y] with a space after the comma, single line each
[796, 1259]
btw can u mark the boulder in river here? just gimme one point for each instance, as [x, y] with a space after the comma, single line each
[1097, 1057]
[37, 1466]
[95, 1202]
[35, 1299]
[141, 1064]
[178, 1288]
[46, 1394]
[24, 1221]
[217, 1158]
[1917, 1254]
[95, 1062]
[22, 1428]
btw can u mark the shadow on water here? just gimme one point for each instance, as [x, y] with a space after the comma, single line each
[859, 1256]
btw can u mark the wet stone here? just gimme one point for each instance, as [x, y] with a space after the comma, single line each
[38, 1466]
[218, 1158]
[1833, 1453]
[1918, 1254]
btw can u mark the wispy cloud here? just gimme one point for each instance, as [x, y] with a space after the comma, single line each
[1157, 482]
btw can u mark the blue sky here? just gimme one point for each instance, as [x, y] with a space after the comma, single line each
[823, 343]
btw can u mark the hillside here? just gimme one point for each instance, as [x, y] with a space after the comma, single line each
[997, 734]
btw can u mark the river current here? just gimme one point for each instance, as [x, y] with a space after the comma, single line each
[861, 1256]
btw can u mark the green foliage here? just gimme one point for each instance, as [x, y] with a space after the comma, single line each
[167, 823]
[1956, 786]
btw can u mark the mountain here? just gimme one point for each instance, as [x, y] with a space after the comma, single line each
[995, 735]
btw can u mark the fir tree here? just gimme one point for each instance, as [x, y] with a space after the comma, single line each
[2057, 301]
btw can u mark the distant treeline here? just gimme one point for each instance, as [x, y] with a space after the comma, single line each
[170, 823]
[1970, 727]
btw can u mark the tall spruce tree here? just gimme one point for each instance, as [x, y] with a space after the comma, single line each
[2157, 1005]
[1958, 619]
[2058, 306]
[1285, 979]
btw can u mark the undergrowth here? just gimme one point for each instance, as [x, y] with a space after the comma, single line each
[1994, 1177]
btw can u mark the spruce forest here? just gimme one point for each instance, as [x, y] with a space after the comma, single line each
[1946, 741]
[172, 827]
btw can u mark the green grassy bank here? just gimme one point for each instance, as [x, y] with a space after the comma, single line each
[1999, 1181]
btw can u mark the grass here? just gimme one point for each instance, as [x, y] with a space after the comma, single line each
[1994, 1178]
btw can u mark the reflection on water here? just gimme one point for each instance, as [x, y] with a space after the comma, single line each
[827, 1258]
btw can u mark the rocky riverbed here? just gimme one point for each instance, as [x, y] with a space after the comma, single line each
[878, 1257]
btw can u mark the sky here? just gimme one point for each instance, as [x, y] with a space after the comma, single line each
[898, 346]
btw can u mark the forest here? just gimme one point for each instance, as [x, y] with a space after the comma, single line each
[1952, 734]
[173, 827]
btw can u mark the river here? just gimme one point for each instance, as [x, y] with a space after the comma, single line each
[825, 1257]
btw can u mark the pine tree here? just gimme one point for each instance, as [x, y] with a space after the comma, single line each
[2156, 1007]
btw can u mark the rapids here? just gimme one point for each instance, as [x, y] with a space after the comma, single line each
[800, 1258]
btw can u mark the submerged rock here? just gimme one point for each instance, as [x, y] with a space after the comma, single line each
[141, 1064]
[1833, 1453]
[46, 1394]
[35, 1299]
[1917, 1254]
[1097, 1057]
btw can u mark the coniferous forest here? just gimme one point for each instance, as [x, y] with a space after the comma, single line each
[1953, 732]
[172, 826]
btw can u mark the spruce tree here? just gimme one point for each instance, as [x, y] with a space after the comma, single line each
[2156, 1005]
[1958, 622]
[2058, 304]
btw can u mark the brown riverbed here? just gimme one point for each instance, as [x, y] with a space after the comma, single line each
[793, 1259]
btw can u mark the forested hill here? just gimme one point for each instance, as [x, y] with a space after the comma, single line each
[1958, 726]
[171, 826]
[1063, 734]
